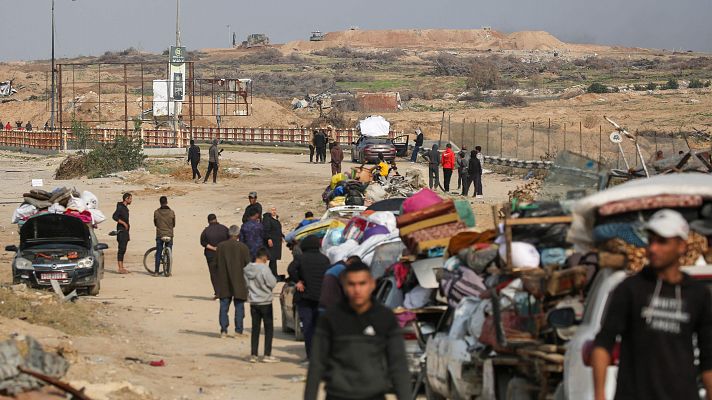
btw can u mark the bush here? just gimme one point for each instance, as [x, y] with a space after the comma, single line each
[512, 100]
[708, 83]
[484, 75]
[696, 84]
[671, 84]
[638, 88]
[445, 64]
[597, 87]
[651, 86]
[124, 154]
[80, 132]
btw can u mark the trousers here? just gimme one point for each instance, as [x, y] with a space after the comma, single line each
[308, 311]
[262, 314]
[433, 177]
[447, 175]
[159, 250]
[239, 313]
[212, 167]
[196, 172]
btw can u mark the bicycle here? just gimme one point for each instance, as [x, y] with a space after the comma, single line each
[149, 259]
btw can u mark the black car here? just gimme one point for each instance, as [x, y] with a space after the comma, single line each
[58, 247]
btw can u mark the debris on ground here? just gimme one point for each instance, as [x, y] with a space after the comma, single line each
[70, 168]
[526, 192]
[26, 352]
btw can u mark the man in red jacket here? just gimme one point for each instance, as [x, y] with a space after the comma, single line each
[448, 163]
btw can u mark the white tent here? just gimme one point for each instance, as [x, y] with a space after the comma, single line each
[374, 126]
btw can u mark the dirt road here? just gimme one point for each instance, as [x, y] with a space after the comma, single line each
[175, 319]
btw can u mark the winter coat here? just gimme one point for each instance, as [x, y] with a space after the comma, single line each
[233, 257]
[213, 235]
[260, 283]
[448, 159]
[419, 139]
[434, 157]
[194, 154]
[474, 167]
[319, 140]
[309, 267]
[251, 234]
[337, 155]
[248, 210]
[272, 229]
[213, 154]
[164, 220]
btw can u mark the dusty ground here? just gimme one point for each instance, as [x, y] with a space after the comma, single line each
[175, 319]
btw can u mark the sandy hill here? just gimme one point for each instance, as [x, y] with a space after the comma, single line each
[466, 39]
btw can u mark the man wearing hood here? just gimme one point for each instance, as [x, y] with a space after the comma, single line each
[462, 161]
[434, 167]
[164, 219]
[657, 313]
[448, 162]
[213, 161]
[337, 156]
[194, 160]
[273, 235]
[121, 216]
[307, 272]
[232, 256]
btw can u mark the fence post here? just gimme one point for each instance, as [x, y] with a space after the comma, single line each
[532, 132]
[655, 136]
[600, 142]
[548, 138]
[501, 139]
[580, 144]
[564, 136]
[516, 143]
[487, 144]
[462, 137]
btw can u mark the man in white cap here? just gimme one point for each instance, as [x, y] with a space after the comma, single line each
[656, 314]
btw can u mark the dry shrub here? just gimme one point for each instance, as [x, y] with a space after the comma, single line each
[590, 121]
[527, 192]
[512, 100]
[71, 167]
[484, 75]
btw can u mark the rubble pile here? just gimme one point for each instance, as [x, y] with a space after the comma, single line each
[25, 352]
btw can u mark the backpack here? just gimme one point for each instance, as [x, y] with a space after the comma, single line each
[460, 283]
[354, 198]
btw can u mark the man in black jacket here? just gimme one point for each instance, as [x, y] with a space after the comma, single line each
[254, 206]
[273, 238]
[214, 234]
[320, 144]
[194, 159]
[418, 144]
[307, 272]
[656, 314]
[358, 346]
[121, 216]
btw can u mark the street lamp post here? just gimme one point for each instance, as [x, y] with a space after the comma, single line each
[51, 115]
[229, 35]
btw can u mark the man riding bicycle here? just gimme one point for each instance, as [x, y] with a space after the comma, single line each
[165, 220]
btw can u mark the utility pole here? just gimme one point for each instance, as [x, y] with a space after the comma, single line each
[51, 115]
[229, 35]
[177, 23]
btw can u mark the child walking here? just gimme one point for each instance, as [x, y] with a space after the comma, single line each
[260, 283]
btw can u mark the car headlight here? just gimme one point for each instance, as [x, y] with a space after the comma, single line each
[87, 262]
[23, 263]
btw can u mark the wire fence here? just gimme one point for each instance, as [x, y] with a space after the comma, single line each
[532, 141]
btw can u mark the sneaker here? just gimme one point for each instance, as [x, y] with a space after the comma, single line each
[270, 359]
[479, 196]
[223, 335]
[252, 359]
[238, 335]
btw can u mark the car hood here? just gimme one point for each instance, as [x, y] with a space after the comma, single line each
[54, 228]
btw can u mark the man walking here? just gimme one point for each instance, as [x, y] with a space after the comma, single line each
[232, 257]
[657, 314]
[194, 159]
[260, 283]
[253, 206]
[164, 219]
[448, 162]
[358, 346]
[251, 233]
[213, 161]
[307, 272]
[337, 156]
[214, 234]
[121, 216]
[461, 163]
[434, 167]
[320, 144]
[418, 145]
[474, 172]
[272, 231]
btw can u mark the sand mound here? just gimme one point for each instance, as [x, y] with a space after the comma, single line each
[469, 39]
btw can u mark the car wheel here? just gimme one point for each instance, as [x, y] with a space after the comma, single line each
[298, 334]
[94, 290]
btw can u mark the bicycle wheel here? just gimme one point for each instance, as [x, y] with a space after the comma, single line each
[167, 261]
[149, 261]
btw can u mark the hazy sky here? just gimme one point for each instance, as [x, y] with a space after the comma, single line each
[90, 27]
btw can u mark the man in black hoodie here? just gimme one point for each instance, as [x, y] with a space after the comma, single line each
[194, 159]
[121, 216]
[434, 167]
[358, 346]
[307, 272]
[656, 314]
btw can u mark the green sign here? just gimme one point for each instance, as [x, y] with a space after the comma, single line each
[177, 55]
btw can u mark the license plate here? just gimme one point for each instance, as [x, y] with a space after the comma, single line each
[54, 276]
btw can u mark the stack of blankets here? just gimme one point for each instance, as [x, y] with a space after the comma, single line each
[84, 206]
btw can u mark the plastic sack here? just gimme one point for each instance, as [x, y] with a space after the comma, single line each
[23, 212]
[76, 204]
[553, 256]
[56, 208]
[335, 179]
[340, 252]
[418, 297]
[524, 255]
[383, 218]
[97, 216]
[91, 202]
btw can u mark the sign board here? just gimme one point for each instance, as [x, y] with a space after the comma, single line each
[37, 183]
[177, 74]
[616, 137]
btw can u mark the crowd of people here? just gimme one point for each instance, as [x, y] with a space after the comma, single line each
[468, 166]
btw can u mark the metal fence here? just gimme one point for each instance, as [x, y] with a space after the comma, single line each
[65, 139]
[532, 141]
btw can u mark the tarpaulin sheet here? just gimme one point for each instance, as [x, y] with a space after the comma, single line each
[374, 126]
[584, 212]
